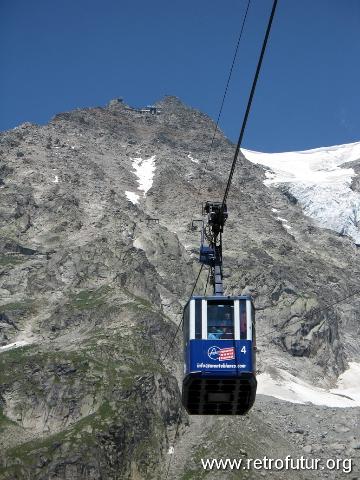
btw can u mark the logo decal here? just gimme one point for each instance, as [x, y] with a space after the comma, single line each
[213, 353]
[227, 354]
[221, 354]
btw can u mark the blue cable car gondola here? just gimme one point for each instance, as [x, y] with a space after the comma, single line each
[219, 337]
[219, 353]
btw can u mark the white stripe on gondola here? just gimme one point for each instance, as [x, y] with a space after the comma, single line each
[192, 319]
[236, 319]
[204, 319]
[248, 320]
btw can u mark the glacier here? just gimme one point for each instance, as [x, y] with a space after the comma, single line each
[320, 181]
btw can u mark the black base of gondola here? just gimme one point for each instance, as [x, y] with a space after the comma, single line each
[218, 395]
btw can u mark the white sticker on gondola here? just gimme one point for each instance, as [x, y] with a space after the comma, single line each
[227, 354]
[221, 354]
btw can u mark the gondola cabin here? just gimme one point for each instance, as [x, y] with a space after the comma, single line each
[219, 365]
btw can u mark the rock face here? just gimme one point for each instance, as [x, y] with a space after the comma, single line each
[97, 258]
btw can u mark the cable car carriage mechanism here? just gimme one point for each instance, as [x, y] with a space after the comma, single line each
[219, 336]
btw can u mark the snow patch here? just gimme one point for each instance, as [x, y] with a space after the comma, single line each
[11, 346]
[194, 160]
[139, 244]
[284, 222]
[132, 197]
[286, 386]
[315, 177]
[144, 170]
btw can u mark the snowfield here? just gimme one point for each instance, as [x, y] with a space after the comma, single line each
[144, 170]
[319, 182]
[291, 389]
[349, 382]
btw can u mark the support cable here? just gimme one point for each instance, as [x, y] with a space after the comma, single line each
[226, 89]
[207, 282]
[182, 318]
[242, 131]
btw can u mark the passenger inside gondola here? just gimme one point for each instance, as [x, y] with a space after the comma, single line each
[215, 333]
[220, 318]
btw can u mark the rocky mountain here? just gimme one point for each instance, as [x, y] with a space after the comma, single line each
[98, 257]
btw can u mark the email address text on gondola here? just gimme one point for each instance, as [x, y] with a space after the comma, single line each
[220, 365]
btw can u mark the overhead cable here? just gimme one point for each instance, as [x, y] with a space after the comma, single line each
[227, 85]
[248, 107]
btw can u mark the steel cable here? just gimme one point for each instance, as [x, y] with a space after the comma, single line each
[225, 91]
[248, 107]
[182, 318]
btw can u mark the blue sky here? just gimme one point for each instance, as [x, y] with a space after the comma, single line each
[60, 55]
